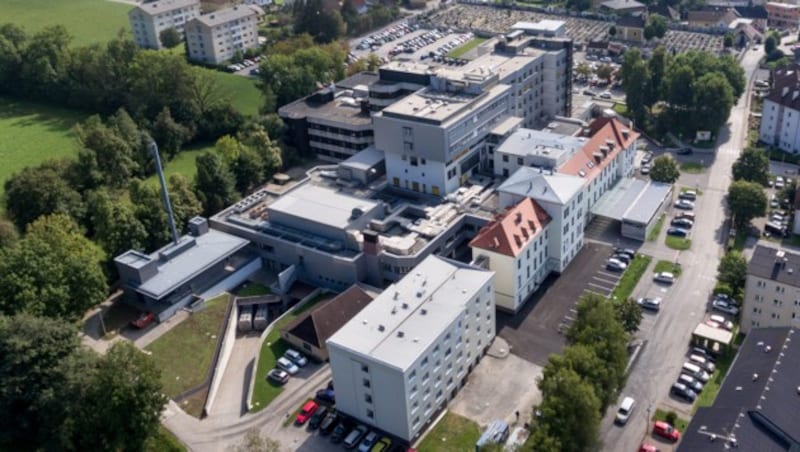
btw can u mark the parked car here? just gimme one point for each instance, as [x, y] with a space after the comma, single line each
[648, 157]
[701, 351]
[684, 204]
[647, 447]
[326, 396]
[627, 251]
[761, 83]
[722, 322]
[724, 306]
[329, 423]
[664, 430]
[678, 232]
[651, 304]
[296, 357]
[690, 383]
[695, 372]
[624, 411]
[680, 390]
[605, 95]
[703, 363]
[308, 410]
[339, 432]
[369, 440]
[278, 376]
[287, 365]
[384, 445]
[664, 277]
[624, 258]
[144, 320]
[616, 265]
[685, 151]
[645, 169]
[354, 437]
[691, 195]
[682, 222]
[688, 215]
[317, 418]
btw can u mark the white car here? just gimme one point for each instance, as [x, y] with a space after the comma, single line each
[288, 366]
[684, 204]
[651, 304]
[722, 322]
[616, 265]
[664, 277]
[296, 357]
[724, 306]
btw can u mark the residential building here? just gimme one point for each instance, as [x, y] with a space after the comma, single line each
[515, 246]
[203, 262]
[216, 37]
[756, 406]
[796, 214]
[783, 15]
[757, 13]
[717, 19]
[535, 148]
[665, 11]
[622, 7]
[400, 360]
[148, 20]
[630, 28]
[335, 122]
[772, 289]
[309, 331]
[780, 116]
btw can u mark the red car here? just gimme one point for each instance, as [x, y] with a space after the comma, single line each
[647, 447]
[144, 320]
[667, 431]
[306, 412]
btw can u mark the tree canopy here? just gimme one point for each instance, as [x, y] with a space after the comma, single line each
[656, 27]
[570, 410]
[665, 169]
[42, 190]
[732, 271]
[215, 183]
[746, 201]
[752, 165]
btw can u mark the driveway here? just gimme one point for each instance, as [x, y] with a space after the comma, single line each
[533, 333]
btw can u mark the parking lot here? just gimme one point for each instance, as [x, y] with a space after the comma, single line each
[533, 333]
[496, 20]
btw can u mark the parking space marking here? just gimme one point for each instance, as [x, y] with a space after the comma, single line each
[613, 281]
[608, 289]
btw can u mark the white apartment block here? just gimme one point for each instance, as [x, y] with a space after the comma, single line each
[148, 20]
[433, 138]
[515, 245]
[400, 360]
[216, 37]
[772, 290]
[780, 116]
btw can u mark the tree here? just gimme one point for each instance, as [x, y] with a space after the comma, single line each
[637, 87]
[53, 271]
[656, 27]
[41, 190]
[605, 72]
[629, 314]
[170, 37]
[679, 86]
[579, 5]
[121, 407]
[583, 70]
[8, 233]
[31, 350]
[727, 41]
[746, 200]
[12, 47]
[249, 170]
[273, 125]
[770, 44]
[149, 210]
[656, 65]
[185, 204]
[215, 183]
[543, 440]
[323, 24]
[257, 138]
[732, 271]
[44, 64]
[108, 154]
[584, 360]
[713, 101]
[612, 31]
[168, 134]
[752, 165]
[254, 442]
[665, 169]
[570, 411]
[116, 227]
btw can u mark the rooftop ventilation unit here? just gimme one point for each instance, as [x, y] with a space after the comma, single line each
[405, 305]
[423, 311]
[400, 334]
[381, 328]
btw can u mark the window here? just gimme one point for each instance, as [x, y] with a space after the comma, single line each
[367, 398]
[370, 414]
[505, 158]
[366, 383]
[364, 368]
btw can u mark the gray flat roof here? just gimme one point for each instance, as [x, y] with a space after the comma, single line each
[633, 200]
[342, 109]
[364, 160]
[440, 288]
[542, 25]
[762, 265]
[162, 6]
[647, 203]
[542, 186]
[226, 15]
[209, 249]
[322, 205]
[441, 107]
[538, 142]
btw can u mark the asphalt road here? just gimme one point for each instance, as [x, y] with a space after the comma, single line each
[669, 332]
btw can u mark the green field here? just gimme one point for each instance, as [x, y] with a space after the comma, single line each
[631, 277]
[88, 21]
[33, 133]
[453, 432]
[241, 91]
[466, 47]
[652, 236]
[183, 163]
[678, 243]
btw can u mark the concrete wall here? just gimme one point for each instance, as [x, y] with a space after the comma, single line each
[228, 340]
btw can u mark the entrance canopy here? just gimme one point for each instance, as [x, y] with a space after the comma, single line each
[616, 202]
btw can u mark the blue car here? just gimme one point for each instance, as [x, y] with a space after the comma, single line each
[678, 232]
[326, 396]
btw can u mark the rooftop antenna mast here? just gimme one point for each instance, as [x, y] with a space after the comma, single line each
[164, 193]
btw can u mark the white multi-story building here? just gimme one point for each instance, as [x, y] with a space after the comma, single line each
[536, 148]
[148, 20]
[780, 116]
[515, 245]
[216, 37]
[399, 361]
[772, 290]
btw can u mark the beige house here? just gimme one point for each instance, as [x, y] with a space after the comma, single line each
[630, 28]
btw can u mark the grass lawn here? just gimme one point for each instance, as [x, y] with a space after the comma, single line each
[621, 109]
[163, 441]
[466, 47]
[264, 390]
[692, 168]
[653, 235]
[678, 243]
[252, 289]
[32, 133]
[88, 21]
[183, 163]
[631, 277]
[668, 266]
[710, 389]
[241, 91]
[453, 432]
[680, 423]
[184, 353]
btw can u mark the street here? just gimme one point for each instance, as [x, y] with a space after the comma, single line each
[668, 333]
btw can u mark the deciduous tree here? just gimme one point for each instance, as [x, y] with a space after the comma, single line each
[570, 410]
[41, 190]
[170, 37]
[746, 201]
[713, 100]
[665, 169]
[732, 271]
[752, 165]
[629, 314]
[215, 183]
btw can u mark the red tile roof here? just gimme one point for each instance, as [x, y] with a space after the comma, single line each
[511, 232]
[605, 132]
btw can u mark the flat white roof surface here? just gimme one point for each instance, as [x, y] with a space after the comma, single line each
[715, 334]
[528, 141]
[437, 287]
[322, 205]
[209, 249]
[542, 186]
[365, 159]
